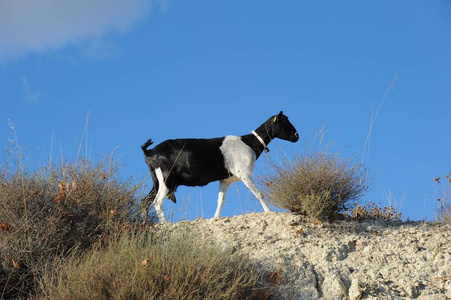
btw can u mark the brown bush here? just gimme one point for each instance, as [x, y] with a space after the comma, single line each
[48, 212]
[318, 185]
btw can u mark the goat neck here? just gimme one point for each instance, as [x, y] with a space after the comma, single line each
[265, 133]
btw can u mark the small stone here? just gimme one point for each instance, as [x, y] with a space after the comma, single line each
[334, 288]
[355, 293]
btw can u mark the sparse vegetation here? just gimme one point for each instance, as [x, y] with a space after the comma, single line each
[318, 185]
[372, 210]
[443, 193]
[147, 266]
[51, 211]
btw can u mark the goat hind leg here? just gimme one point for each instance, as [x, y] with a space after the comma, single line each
[163, 192]
[150, 198]
[159, 200]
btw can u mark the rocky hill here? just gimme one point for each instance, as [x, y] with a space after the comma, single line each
[339, 260]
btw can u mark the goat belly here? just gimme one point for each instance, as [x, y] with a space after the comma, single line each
[201, 177]
[189, 179]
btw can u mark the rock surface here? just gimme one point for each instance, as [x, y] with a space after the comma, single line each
[338, 260]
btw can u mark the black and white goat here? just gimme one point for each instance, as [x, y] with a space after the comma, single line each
[197, 162]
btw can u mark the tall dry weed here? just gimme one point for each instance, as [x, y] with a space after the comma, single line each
[443, 193]
[49, 211]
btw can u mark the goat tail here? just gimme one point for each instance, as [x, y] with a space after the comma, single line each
[146, 145]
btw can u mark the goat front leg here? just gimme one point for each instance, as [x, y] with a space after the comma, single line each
[223, 186]
[249, 183]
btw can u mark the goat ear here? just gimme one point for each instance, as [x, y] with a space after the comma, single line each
[276, 118]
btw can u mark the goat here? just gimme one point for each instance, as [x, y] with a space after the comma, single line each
[197, 162]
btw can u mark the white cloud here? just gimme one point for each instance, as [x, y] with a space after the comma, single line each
[38, 26]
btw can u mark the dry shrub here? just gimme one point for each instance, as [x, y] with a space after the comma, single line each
[443, 193]
[146, 266]
[318, 185]
[49, 211]
[372, 210]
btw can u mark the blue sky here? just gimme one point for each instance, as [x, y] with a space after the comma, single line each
[167, 69]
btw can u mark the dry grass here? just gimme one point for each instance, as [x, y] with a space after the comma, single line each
[50, 211]
[372, 210]
[443, 192]
[147, 266]
[318, 185]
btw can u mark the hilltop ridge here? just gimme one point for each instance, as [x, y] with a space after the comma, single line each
[340, 260]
